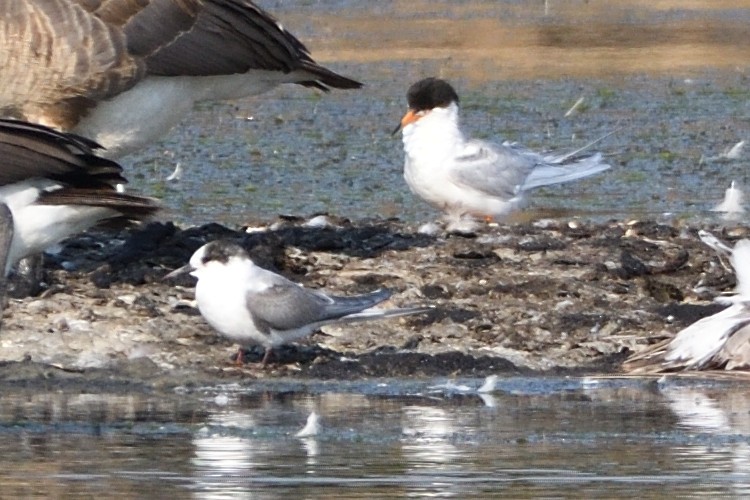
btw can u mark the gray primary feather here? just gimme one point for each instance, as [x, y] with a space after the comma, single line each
[546, 174]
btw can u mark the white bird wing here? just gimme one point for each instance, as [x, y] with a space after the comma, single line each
[736, 351]
[697, 344]
[496, 170]
[715, 243]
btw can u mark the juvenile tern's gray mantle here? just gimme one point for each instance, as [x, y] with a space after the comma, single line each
[54, 186]
[248, 304]
[123, 72]
[468, 177]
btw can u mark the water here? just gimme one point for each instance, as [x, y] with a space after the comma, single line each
[594, 437]
[670, 76]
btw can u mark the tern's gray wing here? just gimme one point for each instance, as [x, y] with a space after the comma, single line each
[497, 170]
[284, 305]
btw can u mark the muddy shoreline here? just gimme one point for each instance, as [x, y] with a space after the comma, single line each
[550, 297]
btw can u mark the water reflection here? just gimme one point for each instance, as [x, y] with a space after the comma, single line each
[596, 437]
[428, 433]
[703, 410]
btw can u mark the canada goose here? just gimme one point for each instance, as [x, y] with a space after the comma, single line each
[123, 72]
[53, 185]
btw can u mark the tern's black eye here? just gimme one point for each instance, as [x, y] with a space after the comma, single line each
[431, 93]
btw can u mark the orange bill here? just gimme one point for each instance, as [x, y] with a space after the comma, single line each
[410, 117]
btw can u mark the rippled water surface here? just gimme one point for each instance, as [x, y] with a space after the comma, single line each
[379, 439]
[670, 76]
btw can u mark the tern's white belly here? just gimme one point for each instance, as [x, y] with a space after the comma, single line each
[221, 301]
[435, 185]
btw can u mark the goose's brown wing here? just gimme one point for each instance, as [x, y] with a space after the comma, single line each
[211, 37]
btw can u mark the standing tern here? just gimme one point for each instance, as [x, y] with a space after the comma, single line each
[248, 304]
[467, 178]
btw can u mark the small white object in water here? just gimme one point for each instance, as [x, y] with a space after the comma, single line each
[177, 174]
[449, 386]
[734, 152]
[221, 400]
[489, 385]
[590, 382]
[55, 249]
[488, 400]
[732, 203]
[486, 387]
[311, 428]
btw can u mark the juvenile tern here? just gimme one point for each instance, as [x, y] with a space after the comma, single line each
[124, 72]
[54, 185]
[720, 341]
[468, 177]
[248, 304]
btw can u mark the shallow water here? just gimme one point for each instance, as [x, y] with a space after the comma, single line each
[387, 438]
[670, 76]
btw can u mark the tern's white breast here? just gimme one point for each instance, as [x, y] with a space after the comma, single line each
[221, 295]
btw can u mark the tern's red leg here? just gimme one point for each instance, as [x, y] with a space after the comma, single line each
[239, 360]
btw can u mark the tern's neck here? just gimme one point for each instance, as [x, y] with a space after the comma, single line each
[435, 132]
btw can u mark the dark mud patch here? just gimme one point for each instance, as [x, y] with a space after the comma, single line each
[552, 297]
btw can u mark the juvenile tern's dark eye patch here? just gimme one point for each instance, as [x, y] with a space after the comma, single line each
[221, 251]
